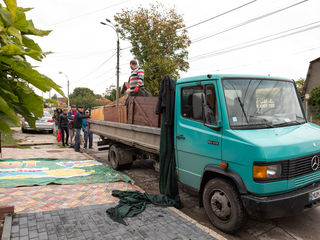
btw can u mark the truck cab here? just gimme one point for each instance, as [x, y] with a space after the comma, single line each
[243, 142]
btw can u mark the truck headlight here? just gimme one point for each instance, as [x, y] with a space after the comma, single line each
[267, 172]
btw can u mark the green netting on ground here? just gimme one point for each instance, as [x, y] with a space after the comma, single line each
[43, 171]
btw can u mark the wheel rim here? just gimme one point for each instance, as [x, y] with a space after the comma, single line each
[113, 158]
[220, 205]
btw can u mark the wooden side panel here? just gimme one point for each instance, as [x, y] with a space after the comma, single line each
[122, 113]
[111, 114]
[97, 113]
[115, 114]
[142, 111]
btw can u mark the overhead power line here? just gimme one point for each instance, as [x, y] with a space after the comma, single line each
[248, 22]
[266, 60]
[97, 67]
[219, 15]
[89, 13]
[258, 41]
[209, 19]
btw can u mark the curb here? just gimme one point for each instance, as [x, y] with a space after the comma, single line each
[6, 232]
[203, 228]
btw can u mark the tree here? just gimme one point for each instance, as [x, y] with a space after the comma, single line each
[158, 41]
[84, 97]
[314, 102]
[112, 96]
[17, 77]
[300, 83]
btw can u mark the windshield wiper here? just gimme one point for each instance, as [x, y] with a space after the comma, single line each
[253, 126]
[291, 123]
[244, 113]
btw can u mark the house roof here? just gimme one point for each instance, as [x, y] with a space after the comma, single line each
[309, 76]
[125, 86]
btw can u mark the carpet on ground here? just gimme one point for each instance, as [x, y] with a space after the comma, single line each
[43, 171]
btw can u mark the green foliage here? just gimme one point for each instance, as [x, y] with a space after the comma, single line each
[314, 102]
[300, 83]
[17, 76]
[158, 41]
[84, 97]
[112, 96]
[314, 99]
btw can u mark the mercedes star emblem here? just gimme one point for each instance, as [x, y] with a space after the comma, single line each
[315, 162]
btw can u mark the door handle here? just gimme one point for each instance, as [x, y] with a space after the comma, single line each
[181, 137]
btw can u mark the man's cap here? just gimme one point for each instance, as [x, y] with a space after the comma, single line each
[80, 106]
[87, 111]
[73, 106]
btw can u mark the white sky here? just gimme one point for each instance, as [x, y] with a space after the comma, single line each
[81, 44]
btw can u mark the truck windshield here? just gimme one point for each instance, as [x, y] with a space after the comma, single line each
[260, 103]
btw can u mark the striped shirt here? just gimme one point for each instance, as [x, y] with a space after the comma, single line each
[136, 78]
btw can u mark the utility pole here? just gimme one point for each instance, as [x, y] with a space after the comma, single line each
[68, 84]
[68, 95]
[118, 71]
[118, 58]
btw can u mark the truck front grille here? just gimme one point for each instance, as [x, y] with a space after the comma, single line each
[298, 167]
[307, 179]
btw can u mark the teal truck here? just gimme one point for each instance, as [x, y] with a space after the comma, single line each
[242, 142]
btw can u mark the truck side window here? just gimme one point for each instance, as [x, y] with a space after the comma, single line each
[211, 108]
[186, 101]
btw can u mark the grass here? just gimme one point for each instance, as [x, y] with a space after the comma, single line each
[7, 139]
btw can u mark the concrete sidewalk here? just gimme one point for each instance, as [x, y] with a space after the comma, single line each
[79, 211]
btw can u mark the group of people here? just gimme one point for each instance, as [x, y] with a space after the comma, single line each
[70, 123]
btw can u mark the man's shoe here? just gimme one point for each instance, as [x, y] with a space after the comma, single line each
[71, 146]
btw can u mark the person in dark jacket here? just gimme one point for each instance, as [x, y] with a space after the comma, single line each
[56, 118]
[86, 131]
[63, 126]
[77, 126]
[71, 115]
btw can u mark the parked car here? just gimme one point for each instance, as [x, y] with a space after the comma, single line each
[45, 123]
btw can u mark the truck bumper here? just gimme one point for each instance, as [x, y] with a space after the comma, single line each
[281, 205]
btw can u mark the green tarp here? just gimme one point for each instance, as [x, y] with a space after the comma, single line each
[133, 202]
[42, 171]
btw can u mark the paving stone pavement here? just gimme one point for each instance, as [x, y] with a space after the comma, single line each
[92, 222]
[51, 197]
[42, 153]
[79, 211]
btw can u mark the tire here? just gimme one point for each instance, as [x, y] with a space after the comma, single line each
[223, 205]
[50, 131]
[23, 130]
[113, 157]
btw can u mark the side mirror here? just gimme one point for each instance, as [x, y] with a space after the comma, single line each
[214, 127]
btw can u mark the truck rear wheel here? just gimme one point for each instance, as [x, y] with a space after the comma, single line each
[113, 157]
[119, 157]
[223, 205]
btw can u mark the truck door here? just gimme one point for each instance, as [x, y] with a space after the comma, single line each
[196, 145]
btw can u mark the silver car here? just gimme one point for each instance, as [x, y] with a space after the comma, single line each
[43, 124]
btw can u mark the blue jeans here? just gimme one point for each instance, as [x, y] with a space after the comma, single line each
[77, 140]
[87, 134]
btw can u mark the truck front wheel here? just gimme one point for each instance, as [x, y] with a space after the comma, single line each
[223, 205]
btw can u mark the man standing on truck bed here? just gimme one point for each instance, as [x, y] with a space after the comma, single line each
[136, 81]
[136, 78]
